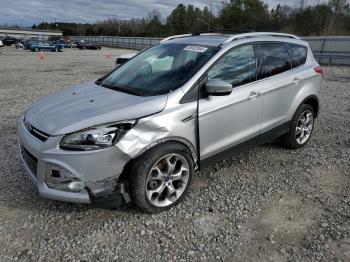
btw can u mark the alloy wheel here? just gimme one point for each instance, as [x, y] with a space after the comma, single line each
[167, 180]
[304, 127]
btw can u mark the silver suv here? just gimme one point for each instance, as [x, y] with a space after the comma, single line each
[139, 132]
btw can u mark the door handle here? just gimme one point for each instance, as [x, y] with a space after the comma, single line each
[253, 95]
[296, 80]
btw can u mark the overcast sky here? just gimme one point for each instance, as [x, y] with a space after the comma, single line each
[27, 12]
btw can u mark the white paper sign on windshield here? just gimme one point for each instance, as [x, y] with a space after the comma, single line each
[199, 49]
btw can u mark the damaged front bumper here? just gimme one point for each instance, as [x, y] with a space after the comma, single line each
[72, 176]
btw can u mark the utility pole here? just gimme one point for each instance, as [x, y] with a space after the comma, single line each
[211, 14]
[117, 19]
[204, 22]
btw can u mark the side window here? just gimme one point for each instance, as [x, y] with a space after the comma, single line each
[238, 67]
[298, 54]
[275, 59]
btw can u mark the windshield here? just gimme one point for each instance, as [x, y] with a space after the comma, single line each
[160, 69]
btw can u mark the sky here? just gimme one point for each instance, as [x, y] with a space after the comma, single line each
[28, 12]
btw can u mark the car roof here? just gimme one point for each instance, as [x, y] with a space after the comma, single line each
[218, 39]
[207, 40]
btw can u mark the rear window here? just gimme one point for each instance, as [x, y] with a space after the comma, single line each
[275, 59]
[298, 54]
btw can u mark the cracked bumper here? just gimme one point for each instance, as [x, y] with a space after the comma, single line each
[99, 169]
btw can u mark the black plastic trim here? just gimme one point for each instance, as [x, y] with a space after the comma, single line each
[106, 200]
[267, 136]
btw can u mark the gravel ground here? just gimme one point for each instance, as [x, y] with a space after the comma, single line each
[266, 204]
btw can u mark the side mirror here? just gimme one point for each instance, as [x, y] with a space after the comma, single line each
[217, 87]
[121, 61]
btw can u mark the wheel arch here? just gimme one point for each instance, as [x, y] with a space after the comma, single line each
[181, 141]
[312, 101]
[309, 99]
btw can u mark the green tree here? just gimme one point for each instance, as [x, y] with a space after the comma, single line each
[244, 14]
[154, 25]
[177, 20]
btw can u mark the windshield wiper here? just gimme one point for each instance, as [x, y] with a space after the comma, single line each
[124, 90]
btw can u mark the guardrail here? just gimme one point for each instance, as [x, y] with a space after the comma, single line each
[138, 43]
[329, 50]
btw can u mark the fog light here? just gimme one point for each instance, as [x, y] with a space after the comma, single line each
[76, 186]
[59, 178]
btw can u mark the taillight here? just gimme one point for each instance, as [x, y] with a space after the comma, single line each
[318, 70]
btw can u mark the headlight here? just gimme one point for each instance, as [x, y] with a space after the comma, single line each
[98, 137]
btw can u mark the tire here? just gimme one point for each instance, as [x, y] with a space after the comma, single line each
[150, 173]
[294, 138]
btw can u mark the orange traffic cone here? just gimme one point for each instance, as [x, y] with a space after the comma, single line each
[41, 55]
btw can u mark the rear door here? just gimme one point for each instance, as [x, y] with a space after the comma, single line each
[278, 84]
[226, 121]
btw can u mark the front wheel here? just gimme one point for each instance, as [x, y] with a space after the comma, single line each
[161, 177]
[301, 127]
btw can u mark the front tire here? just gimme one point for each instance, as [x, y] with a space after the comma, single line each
[301, 127]
[161, 177]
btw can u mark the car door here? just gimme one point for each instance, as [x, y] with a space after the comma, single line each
[279, 85]
[226, 121]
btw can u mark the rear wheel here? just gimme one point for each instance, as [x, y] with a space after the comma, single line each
[301, 127]
[161, 177]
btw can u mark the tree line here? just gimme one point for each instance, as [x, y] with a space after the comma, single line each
[331, 18]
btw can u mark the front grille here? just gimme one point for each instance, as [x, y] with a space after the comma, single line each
[35, 132]
[30, 160]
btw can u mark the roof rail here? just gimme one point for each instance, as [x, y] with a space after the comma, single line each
[223, 31]
[246, 35]
[173, 37]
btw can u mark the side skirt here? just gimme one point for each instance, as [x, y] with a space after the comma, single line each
[263, 138]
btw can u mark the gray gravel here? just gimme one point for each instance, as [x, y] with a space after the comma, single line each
[269, 203]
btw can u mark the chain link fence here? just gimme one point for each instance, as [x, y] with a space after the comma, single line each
[329, 50]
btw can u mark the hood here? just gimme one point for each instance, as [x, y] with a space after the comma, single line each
[88, 105]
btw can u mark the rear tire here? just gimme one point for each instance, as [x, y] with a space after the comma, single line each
[301, 127]
[161, 177]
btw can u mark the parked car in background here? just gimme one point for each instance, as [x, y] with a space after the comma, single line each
[62, 43]
[41, 46]
[189, 101]
[124, 58]
[9, 41]
[74, 44]
[84, 45]
[19, 45]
